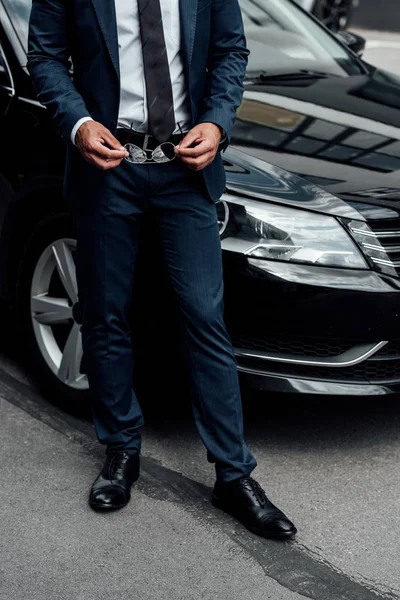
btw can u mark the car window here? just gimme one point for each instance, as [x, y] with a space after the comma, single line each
[19, 11]
[5, 79]
[281, 37]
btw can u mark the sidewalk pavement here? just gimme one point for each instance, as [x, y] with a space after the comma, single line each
[382, 50]
[53, 547]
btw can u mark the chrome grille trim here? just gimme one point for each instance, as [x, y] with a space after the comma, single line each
[387, 249]
[386, 263]
[376, 234]
[377, 358]
[354, 356]
[379, 240]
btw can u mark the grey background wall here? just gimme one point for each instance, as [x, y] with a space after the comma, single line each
[383, 15]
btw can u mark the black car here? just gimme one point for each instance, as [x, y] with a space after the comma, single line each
[310, 222]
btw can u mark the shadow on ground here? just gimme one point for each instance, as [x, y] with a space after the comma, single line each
[285, 420]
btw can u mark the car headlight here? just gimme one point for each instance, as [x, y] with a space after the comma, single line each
[278, 232]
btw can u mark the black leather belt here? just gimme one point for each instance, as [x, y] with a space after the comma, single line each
[142, 140]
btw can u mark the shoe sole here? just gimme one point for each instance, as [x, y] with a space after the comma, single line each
[107, 507]
[284, 535]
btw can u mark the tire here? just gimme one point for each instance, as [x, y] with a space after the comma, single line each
[335, 14]
[46, 317]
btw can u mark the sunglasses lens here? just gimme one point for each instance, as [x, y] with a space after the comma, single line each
[136, 154]
[164, 153]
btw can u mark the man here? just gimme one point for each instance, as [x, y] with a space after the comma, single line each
[152, 102]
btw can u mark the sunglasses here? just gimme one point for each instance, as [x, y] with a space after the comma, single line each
[164, 153]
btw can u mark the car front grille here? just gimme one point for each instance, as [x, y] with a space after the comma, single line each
[381, 367]
[365, 373]
[294, 346]
[379, 241]
[379, 372]
[390, 351]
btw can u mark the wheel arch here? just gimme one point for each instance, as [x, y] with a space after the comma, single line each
[30, 211]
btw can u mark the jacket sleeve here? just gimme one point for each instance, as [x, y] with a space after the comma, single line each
[227, 64]
[49, 64]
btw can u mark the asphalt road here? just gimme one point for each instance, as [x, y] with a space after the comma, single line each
[332, 466]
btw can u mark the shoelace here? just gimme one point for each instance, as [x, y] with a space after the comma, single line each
[116, 465]
[255, 488]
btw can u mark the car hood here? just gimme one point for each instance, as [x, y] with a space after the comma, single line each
[331, 145]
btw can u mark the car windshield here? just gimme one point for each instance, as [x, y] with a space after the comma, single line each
[282, 38]
[19, 11]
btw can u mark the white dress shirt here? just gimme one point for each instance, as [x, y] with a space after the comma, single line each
[133, 101]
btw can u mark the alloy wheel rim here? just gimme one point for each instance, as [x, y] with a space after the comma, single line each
[54, 293]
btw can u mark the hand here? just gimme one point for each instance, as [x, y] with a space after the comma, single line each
[206, 138]
[91, 138]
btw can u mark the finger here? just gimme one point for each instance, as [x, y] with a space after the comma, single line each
[198, 159]
[111, 140]
[190, 138]
[210, 154]
[100, 163]
[107, 166]
[204, 147]
[111, 164]
[103, 152]
[198, 164]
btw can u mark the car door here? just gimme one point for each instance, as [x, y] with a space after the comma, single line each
[7, 95]
[7, 90]
[32, 156]
[34, 151]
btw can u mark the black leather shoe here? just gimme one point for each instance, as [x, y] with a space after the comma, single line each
[245, 500]
[112, 488]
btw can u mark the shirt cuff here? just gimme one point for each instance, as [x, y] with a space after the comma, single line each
[76, 127]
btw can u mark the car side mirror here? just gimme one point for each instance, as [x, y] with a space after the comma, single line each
[355, 42]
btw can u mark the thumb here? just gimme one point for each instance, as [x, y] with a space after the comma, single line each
[112, 142]
[191, 137]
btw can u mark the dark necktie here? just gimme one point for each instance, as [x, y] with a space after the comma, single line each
[156, 71]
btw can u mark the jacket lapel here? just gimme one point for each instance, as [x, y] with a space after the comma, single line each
[106, 16]
[188, 13]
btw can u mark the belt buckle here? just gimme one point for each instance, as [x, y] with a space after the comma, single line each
[145, 148]
[147, 136]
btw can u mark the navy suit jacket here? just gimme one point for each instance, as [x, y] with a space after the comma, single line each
[85, 32]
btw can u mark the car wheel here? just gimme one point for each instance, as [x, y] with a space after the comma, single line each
[48, 313]
[335, 14]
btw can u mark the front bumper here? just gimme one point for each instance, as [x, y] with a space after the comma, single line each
[308, 329]
[265, 382]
